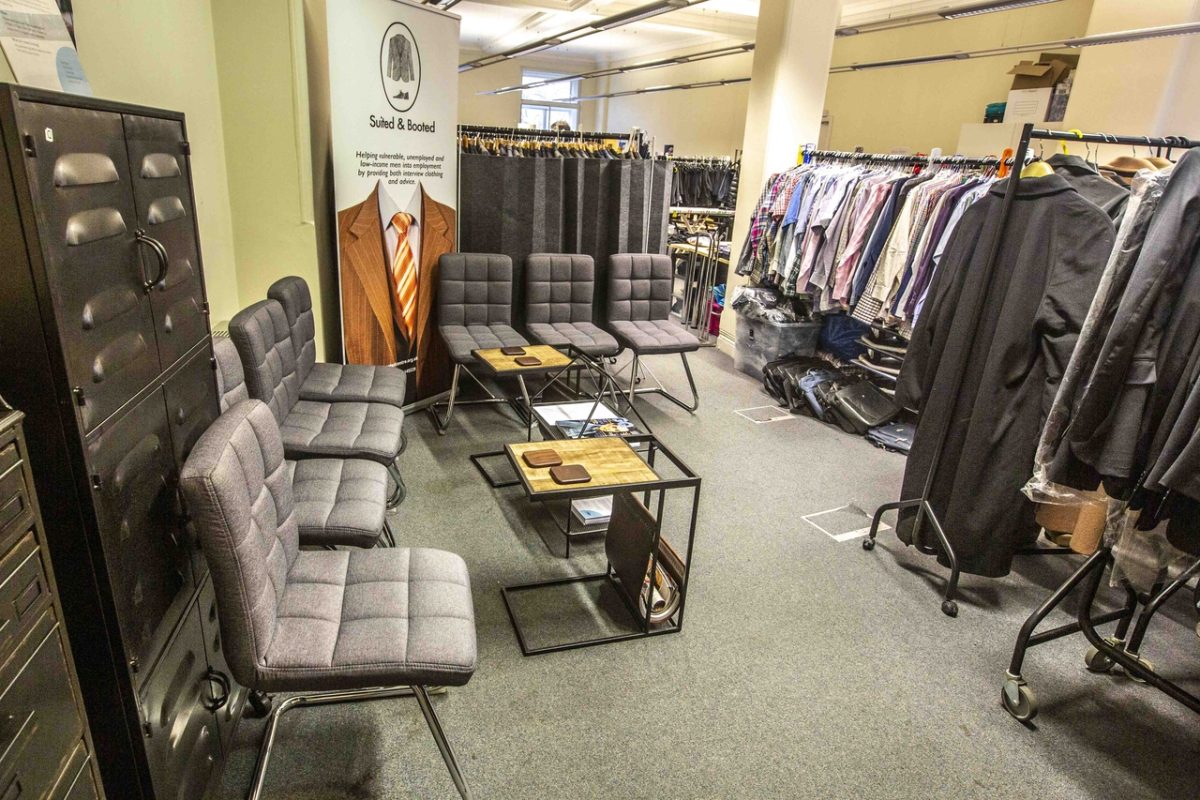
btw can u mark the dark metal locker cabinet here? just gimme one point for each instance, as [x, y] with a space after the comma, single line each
[149, 566]
[231, 711]
[192, 406]
[182, 743]
[162, 192]
[81, 185]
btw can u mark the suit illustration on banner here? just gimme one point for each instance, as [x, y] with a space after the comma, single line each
[388, 263]
[400, 66]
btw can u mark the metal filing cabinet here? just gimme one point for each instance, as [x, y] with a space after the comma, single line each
[105, 344]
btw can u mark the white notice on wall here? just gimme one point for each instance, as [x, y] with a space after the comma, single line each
[38, 46]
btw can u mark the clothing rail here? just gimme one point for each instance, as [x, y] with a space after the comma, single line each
[924, 510]
[899, 158]
[1106, 652]
[531, 133]
[708, 212]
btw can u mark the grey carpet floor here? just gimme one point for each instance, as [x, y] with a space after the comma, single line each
[807, 667]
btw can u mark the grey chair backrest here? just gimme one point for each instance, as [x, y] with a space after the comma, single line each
[292, 293]
[231, 378]
[639, 287]
[475, 289]
[264, 341]
[239, 493]
[559, 288]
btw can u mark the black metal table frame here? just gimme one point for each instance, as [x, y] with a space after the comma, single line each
[661, 487]
[578, 360]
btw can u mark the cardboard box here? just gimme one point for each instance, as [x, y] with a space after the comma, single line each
[1039, 85]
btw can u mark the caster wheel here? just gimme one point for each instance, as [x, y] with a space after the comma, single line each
[260, 703]
[1018, 700]
[950, 608]
[1095, 661]
[869, 545]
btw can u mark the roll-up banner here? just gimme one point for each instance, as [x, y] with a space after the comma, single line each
[393, 86]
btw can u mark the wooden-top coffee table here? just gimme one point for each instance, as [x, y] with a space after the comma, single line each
[624, 466]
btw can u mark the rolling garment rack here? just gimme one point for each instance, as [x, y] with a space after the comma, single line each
[702, 269]
[1105, 653]
[925, 512]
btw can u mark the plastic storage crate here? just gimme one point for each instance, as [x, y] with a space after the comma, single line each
[760, 341]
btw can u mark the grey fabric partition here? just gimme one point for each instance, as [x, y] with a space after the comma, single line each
[597, 207]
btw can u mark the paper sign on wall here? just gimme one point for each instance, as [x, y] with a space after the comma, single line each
[38, 46]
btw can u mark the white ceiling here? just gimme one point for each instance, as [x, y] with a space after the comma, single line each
[494, 25]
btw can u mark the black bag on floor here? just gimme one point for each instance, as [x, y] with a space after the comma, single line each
[858, 405]
[779, 374]
[812, 392]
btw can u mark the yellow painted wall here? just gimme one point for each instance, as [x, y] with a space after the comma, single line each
[504, 110]
[921, 107]
[264, 102]
[1124, 88]
[161, 54]
[699, 122]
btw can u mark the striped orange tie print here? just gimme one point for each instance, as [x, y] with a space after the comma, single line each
[404, 279]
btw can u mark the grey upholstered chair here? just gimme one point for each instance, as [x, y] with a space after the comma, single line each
[639, 315]
[325, 382]
[558, 304]
[474, 313]
[336, 625]
[310, 429]
[338, 501]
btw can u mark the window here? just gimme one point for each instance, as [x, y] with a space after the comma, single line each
[543, 106]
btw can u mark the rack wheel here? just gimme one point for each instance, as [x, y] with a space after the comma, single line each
[869, 545]
[260, 703]
[950, 608]
[1018, 700]
[1095, 661]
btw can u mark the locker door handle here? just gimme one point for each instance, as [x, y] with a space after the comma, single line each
[216, 702]
[160, 253]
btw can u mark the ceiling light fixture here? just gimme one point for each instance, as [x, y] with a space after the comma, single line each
[666, 88]
[1116, 37]
[990, 7]
[720, 52]
[606, 24]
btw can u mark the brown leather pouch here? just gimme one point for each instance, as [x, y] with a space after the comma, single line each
[539, 459]
[570, 473]
[512, 351]
[528, 361]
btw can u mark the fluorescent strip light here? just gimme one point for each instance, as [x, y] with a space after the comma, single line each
[666, 88]
[1116, 37]
[720, 52]
[591, 28]
[1120, 37]
[990, 7]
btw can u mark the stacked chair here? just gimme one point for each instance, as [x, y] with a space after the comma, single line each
[333, 626]
[338, 427]
[338, 502]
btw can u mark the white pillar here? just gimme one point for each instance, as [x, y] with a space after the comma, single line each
[792, 54]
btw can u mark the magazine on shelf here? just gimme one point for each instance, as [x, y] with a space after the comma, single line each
[600, 426]
[593, 510]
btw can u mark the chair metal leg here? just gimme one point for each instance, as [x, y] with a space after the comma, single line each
[388, 536]
[438, 423]
[353, 696]
[659, 390]
[435, 727]
[401, 490]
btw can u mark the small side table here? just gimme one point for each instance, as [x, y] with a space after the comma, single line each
[622, 465]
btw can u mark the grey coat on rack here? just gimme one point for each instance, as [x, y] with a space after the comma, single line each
[1055, 248]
